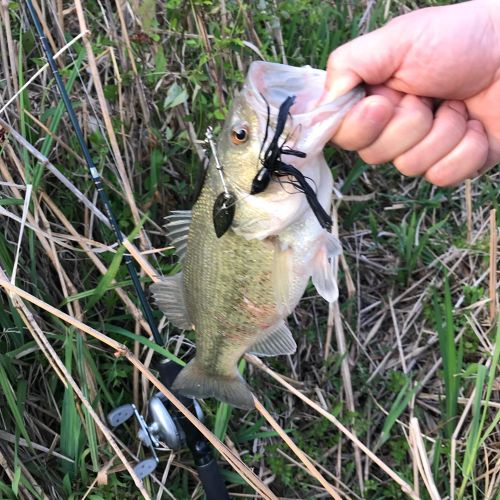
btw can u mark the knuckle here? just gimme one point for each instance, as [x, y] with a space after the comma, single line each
[438, 177]
[455, 108]
[407, 167]
[455, 122]
[420, 119]
[352, 143]
[478, 144]
[372, 157]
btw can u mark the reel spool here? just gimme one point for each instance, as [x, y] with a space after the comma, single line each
[164, 425]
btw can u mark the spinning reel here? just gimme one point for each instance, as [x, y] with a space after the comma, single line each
[169, 427]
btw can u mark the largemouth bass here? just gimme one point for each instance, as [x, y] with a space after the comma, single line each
[237, 290]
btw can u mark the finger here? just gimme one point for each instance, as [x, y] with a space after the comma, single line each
[364, 123]
[371, 58]
[411, 122]
[394, 96]
[448, 129]
[464, 161]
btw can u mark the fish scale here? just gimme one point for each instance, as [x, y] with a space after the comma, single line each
[235, 272]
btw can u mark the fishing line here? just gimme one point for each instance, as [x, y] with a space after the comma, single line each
[96, 177]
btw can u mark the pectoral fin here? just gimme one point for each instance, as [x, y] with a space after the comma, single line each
[278, 341]
[169, 296]
[322, 275]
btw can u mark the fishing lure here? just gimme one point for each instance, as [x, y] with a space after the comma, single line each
[272, 165]
[224, 206]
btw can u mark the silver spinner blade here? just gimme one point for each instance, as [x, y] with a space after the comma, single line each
[120, 415]
[145, 467]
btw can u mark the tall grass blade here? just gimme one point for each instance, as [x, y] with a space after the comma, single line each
[443, 317]
[12, 403]
[475, 438]
[90, 429]
[70, 421]
[397, 408]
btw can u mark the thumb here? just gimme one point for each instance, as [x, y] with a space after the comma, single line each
[372, 58]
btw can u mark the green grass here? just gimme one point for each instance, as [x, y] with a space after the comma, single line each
[451, 356]
[404, 244]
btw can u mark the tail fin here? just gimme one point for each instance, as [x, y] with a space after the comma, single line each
[194, 381]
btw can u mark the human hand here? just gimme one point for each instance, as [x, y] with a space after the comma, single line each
[433, 92]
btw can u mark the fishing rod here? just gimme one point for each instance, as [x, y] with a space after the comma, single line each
[94, 173]
[167, 424]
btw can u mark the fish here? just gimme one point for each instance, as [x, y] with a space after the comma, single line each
[247, 254]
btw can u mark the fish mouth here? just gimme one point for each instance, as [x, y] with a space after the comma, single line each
[315, 121]
[273, 83]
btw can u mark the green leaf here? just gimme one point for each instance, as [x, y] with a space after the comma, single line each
[449, 354]
[70, 421]
[160, 62]
[147, 15]
[16, 479]
[475, 440]
[142, 340]
[106, 280]
[176, 95]
[398, 406]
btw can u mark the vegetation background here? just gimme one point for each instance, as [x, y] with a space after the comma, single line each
[408, 358]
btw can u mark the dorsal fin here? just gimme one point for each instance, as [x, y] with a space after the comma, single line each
[276, 342]
[169, 296]
[177, 227]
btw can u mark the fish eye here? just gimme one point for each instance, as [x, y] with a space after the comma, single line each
[239, 134]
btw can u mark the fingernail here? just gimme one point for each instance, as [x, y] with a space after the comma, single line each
[339, 86]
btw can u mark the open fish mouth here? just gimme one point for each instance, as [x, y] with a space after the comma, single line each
[312, 123]
[297, 126]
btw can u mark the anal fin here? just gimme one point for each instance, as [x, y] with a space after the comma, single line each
[277, 341]
[169, 296]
